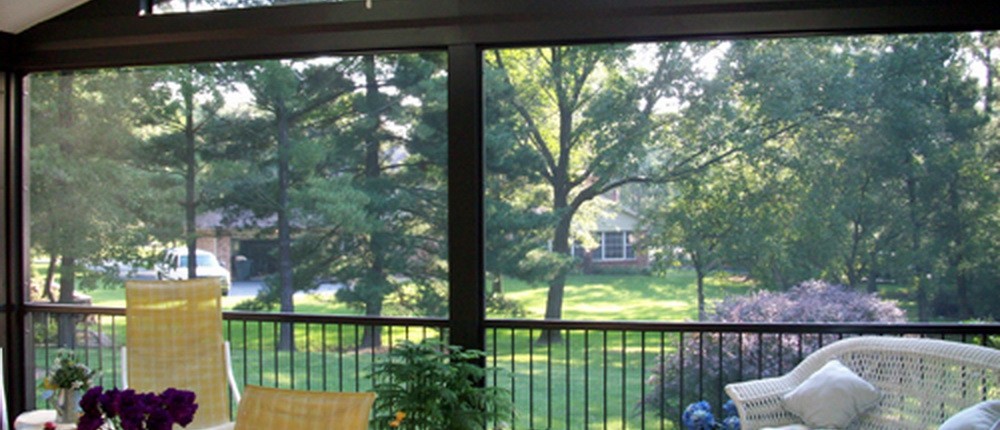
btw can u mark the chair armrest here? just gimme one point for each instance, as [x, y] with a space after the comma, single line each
[124, 364]
[759, 402]
[229, 374]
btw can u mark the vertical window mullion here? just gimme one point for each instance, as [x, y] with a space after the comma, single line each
[466, 231]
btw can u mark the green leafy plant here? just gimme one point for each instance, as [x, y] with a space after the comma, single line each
[68, 372]
[432, 386]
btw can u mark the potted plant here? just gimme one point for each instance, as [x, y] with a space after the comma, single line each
[433, 386]
[63, 386]
[115, 409]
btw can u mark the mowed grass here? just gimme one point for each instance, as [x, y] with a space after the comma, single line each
[669, 297]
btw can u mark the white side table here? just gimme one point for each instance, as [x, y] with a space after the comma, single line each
[35, 420]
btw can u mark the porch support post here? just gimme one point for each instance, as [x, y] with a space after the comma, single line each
[466, 242]
[14, 264]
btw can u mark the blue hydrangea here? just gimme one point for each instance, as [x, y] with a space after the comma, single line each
[698, 416]
[729, 409]
[731, 423]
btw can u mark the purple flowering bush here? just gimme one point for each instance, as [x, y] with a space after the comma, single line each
[711, 360]
[128, 410]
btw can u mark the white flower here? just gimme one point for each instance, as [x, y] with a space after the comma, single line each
[77, 385]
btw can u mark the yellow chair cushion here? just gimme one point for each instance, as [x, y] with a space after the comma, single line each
[174, 340]
[277, 408]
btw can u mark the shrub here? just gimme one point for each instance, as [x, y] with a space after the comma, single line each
[711, 360]
[432, 386]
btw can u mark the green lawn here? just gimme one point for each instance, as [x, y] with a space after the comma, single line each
[671, 297]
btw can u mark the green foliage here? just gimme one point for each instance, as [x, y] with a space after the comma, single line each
[435, 386]
[69, 372]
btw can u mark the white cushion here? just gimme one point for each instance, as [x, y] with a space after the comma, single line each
[981, 416]
[831, 398]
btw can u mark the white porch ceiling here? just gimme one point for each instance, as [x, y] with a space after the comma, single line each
[19, 15]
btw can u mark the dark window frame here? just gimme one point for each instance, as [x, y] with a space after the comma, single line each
[111, 33]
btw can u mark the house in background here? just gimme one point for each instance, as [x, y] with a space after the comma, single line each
[617, 229]
[245, 243]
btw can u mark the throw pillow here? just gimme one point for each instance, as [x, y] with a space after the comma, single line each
[832, 397]
[981, 416]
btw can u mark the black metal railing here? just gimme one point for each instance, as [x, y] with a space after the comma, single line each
[600, 375]
[643, 374]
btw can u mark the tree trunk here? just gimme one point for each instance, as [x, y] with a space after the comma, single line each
[50, 274]
[918, 280]
[190, 174]
[376, 276]
[873, 269]
[700, 275]
[957, 256]
[851, 265]
[285, 341]
[372, 335]
[67, 284]
[497, 285]
[557, 286]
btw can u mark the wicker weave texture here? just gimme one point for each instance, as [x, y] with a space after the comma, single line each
[923, 382]
[174, 339]
[276, 408]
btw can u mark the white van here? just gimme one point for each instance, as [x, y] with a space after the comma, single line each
[174, 266]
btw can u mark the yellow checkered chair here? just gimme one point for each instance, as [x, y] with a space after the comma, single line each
[174, 339]
[277, 408]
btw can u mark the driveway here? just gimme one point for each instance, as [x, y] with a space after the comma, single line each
[250, 288]
[246, 289]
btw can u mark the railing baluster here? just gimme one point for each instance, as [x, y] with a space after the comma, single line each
[245, 347]
[308, 361]
[531, 378]
[276, 340]
[605, 367]
[586, 378]
[324, 355]
[357, 358]
[642, 386]
[720, 372]
[701, 365]
[681, 373]
[569, 398]
[513, 372]
[760, 355]
[659, 388]
[624, 383]
[114, 352]
[548, 377]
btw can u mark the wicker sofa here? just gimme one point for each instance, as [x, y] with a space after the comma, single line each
[922, 382]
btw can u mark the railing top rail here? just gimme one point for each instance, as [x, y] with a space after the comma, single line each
[56, 308]
[717, 327]
[650, 326]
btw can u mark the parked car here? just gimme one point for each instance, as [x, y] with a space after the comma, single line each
[173, 265]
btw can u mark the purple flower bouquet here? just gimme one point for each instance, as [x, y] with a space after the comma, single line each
[128, 410]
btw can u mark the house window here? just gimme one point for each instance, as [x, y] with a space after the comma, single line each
[613, 244]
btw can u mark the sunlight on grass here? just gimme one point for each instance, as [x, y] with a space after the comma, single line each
[672, 297]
